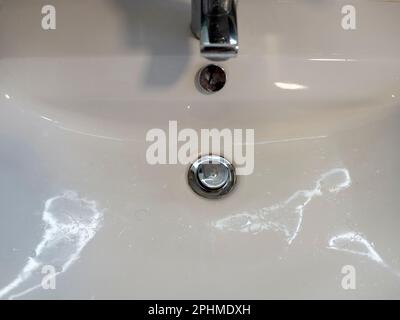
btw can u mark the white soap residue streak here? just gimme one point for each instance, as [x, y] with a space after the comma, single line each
[70, 223]
[355, 243]
[285, 217]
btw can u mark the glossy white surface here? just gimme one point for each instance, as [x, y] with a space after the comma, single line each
[76, 191]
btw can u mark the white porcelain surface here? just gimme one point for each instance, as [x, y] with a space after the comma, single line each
[76, 190]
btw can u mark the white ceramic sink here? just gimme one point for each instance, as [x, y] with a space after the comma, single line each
[77, 193]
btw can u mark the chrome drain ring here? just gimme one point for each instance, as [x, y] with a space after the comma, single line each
[212, 177]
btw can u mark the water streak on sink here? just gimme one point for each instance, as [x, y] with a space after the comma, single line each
[355, 243]
[70, 223]
[286, 217]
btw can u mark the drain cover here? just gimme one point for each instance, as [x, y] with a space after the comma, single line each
[212, 177]
[211, 78]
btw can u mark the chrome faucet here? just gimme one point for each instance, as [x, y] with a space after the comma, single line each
[214, 22]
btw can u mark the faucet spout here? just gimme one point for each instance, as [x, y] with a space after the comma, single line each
[214, 22]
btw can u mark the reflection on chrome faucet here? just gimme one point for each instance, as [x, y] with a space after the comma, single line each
[70, 223]
[214, 22]
[286, 217]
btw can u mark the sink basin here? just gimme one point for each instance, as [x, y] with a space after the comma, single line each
[77, 194]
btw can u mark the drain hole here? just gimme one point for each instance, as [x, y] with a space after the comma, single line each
[211, 78]
[212, 177]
